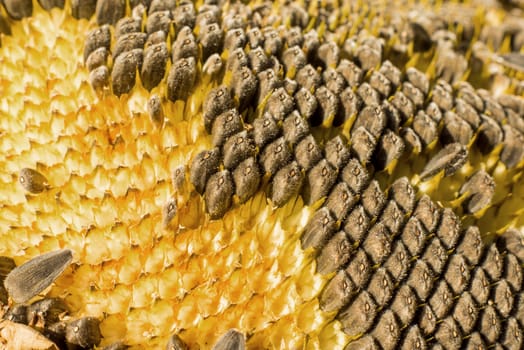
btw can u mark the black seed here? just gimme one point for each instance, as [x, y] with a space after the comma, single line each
[380, 83]
[449, 159]
[280, 104]
[100, 37]
[32, 180]
[334, 81]
[415, 95]
[367, 342]
[355, 175]
[404, 304]
[480, 188]
[202, 167]
[442, 97]
[35, 275]
[433, 111]
[99, 78]
[411, 140]
[308, 78]
[123, 75]
[211, 38]
[489, 136]
[213, 65]
[351, 72]
[475, 342]
[373, 199]
[306, 103]
[340, 201]
[335, 254]
[275, 155]
[154, 66]
[425, 127]
[169, 212]
[373, 119]
[369, 96]
[471, 246]
[377, 243]
[47, 311]
[272, 42]
[337, 152]
[414, 339]
[97, 58]
[247, 179]
[234, 39]
[414, 236]
[455, 130]
[293, 59]
[503, 298]
[457, 273]
[387, 331]
[358, 317]
[363, 144]
[337, 293]
[512, 153]
[175, 343]
[448, 334]
[513, 336]
[179, 177]
[244, 86]
[493, 263]
[513, 272]
[404, 105]
[490, 325]
[127, 25]
[84, 332]
[287, 183]
[185, 46]
[435, 255]
[217, 101]
[468, 113]
[17, 313]
[403, 194]
[319, 229]
[321, 178]
[219, 191]
[512, 241]
[421, 279]
[83, 8]
[308, 152]
[427, 320]
[238, 148]
[442, 300]
[236, 60]
[226, 125]
[181, 79]
[381, 287]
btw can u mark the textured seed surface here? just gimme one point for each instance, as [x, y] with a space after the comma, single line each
[32, 180]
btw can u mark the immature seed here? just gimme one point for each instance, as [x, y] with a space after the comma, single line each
[32, 180]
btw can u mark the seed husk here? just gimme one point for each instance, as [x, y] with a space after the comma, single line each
[449, 159]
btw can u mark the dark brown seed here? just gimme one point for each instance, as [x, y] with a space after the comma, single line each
[110, 11]
[47, 311]
[211, 38]
[512, 241]
[202, 167]
[448, 334]
[442, 300]
[340, 201]
[377, 243]
[493, 263]
[335, 254]
[480, 287]
[480, 188]
[471, 246]
[308, 78]
[513, 272]
[287, 183]
[421, 279]
[155, 110]
[275, 155]
[265, 129]
[181, 79]
[83, 8]
[35, 275]
[154, 66]
[219, 192]
[319, 229]
[84, 332]
[247, 179]
[244, 86]
[97, 58]
[466, 312]
[295, 128]
[337, 293]
[513, 336]
[449, 159]
[427, 320]
[127, 25]
[373, 199]
[457, 273]
[232, 340]
[307, 152]
[455, 130]
[387, 330]
[328, 105]
[403, 194]
[272, 43]
[226, 125]
[503, 298]
[381, 287]
[380, 83]
[238, 148]
[320, 179]
[306, 103]
[512, 153]
[398, 262]
[186, 46]
[123, 75]
[280, 104]
[435, 255]
[218, 101]
[169, 212]
[184, 15]
[414, 339]
[18, 9]
[414, 236]
[99, 78]
[359, 316]
[100, 37]
[475, 342]
[490, 325]
[32, 180]
[235, 39]
[355, 175]
[175, 343]
[17, 313]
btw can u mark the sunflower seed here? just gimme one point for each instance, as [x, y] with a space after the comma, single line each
[258, 60]
[127, 25]
[480, 188]
[421, 279]
[475, 342]
[335, 254]
[512, 338]
[489, 136]
[471, 246]
[512, 241]
[373, 119]
[128, 42]
[414, 94]
[369, 96]
[213, 65]
[293, 59]
[448, 334]
[186, 47]
[441, 96]
[414, 339]
[306, 103]
[449, 159]
[355, 175]
[398, 262]
[308, 78]
[175, 343]
[490, 325]
[238, 148]
[110, 11]
[435, 255]
[244, 86]
[17, 313]
[84, 332]
[340, 201]
[414, 236]
[154, 66]
[307, 152]
[319, 229]
[427, 320]
[449, 228]
[247, 179]
[367, 342]
[351, 104]
[35, 275]
[83, 8]
[418, 79]
[353, 74]
[377, 243]
[97, 38]
[337, 293]
[334, 81]
[99, 78]
[329, 54]
[359, 316]
[202, 167]
[275, 155]
[380, 83]
[97, 58]
[32, 180]
[433, 111]
[311, 43]
[280, 104]
[160, 20]
[235, 39]
[381, 287]
[236, 60]
[493, 263]
[255, 38]
[272, 43]
[442, 300]
[19, 336]
[466, 312]
[425, 127]
[404, 105]
[403, 194]
[512, 153]
[169, 212]
[295, 128]
[117, 346]
[207, 15]
[123, 75]
[455, 130]
[268, 82]
[287, 183]
[480, 287]
[218, 101]
[503, 298]
[181, 79]
[468, 113]
[46, 312]
[219, 191]
[411, 140]
[387, 330]
[337, 152]
[155, 110]
[225, 126]
[513, 272]
[232, 340]
[457, 273]
[211, 38]
[184, 15]
[392, 217]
